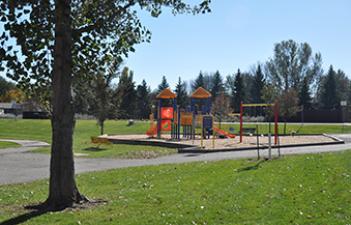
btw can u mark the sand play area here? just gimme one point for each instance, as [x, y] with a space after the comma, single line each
[220, 143]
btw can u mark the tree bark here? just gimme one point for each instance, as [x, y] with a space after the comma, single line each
[102, 127]
[63, 191]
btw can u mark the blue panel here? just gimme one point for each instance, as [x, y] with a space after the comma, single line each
[207, 122]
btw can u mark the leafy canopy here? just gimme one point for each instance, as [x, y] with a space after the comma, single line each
[100, 29]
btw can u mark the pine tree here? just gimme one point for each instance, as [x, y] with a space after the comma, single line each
[182, 95]
[329, 98]
[143, 103]
[238, 89]
[163, 85]
[198, 82]
[257, 86]
[126, 95]
[342, 85]
[217, 85]
[305, 95]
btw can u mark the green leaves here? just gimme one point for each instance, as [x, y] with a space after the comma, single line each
[100, 28]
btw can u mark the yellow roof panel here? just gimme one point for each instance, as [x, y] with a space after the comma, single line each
[201, 93]
[166, 94]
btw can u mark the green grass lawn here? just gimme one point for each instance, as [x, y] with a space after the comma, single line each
[5, 144]
[40, 130]
[118, 151]
[305, 189]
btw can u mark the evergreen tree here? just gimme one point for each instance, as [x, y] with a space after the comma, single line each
[329, 98]
[198, 82]
[143, 103]
[342, 85]
[248, 82]
[305, 95]
[126, 95]
[217, 85]
[182, 95]
[258, 83]
[238, 91]
[163, 85]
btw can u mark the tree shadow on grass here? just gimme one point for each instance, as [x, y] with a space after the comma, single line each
[24, 217]
[94, 149]
[43, 208]
[192, 155]
[254, 167]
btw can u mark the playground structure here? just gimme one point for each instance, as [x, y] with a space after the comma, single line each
[192, 129]
[197, 116]
[194, 125]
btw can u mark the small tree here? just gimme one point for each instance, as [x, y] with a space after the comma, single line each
[217, 86]
[221, 106]
[342, 85]
[182, 95]
[257, 86]
[198, 82]
[103, 93]
[288, 105]
[143, 101]
[305, 95]
[126, 95]
[238, 91]
[329, 97]
[163, 85]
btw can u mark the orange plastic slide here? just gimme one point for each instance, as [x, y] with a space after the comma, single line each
[152, 131]
[224, 133]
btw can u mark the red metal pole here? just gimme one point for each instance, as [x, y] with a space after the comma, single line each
[241, 121]
[276, 115]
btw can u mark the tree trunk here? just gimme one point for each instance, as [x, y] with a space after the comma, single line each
[102, 123]
[62, 188]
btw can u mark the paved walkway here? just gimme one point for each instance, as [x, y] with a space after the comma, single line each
[20, 165]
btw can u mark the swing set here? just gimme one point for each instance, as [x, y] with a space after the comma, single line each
[275, 108]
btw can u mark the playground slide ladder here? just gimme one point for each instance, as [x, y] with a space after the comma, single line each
[224, 133]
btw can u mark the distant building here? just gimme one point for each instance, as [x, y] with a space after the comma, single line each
[10, 108]
[26, 110]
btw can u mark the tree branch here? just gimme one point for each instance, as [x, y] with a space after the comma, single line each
[91, 27]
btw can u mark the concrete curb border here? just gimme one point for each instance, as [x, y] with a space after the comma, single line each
[151, 142]
[186, 148]
[199, 150]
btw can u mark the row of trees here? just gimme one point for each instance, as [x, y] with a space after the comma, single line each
[293, 76]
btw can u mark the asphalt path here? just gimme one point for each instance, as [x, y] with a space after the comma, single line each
[18, 165]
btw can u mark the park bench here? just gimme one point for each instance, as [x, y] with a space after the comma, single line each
[99, 141]
[249, 130]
